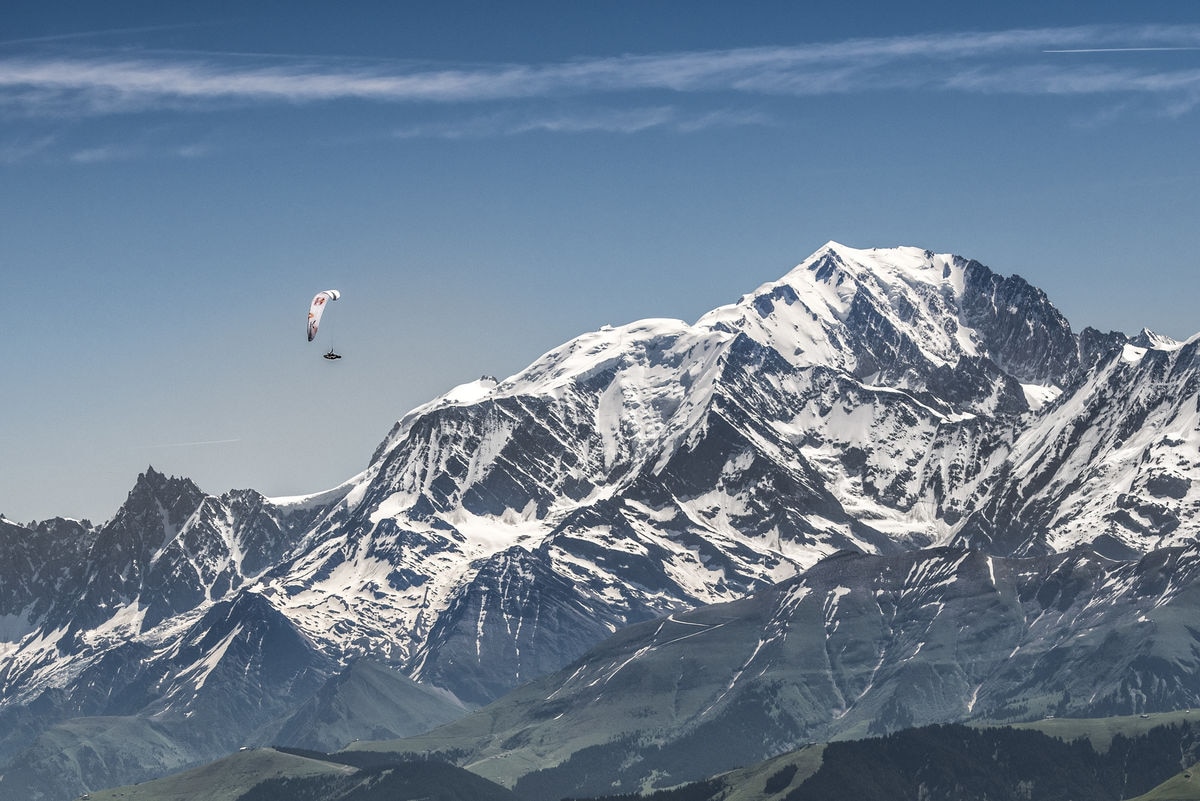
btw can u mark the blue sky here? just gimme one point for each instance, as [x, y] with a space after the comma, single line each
[485, 180]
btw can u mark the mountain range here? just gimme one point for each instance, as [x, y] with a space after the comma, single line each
[878, 426]
[858, 646]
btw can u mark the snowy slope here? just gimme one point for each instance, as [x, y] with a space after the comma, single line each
[876, 401]
[1114, 463]
[856, 403]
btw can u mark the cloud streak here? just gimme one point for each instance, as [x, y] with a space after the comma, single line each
[196, 444]
[601, 120]
[1015, 61]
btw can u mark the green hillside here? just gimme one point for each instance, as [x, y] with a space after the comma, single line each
[226, 779]
[952, 761]
[1184, 786]
[773, 779]
[269, 774]
[1100, 731]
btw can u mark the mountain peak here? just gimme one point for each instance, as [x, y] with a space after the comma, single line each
[150, 477]
[1154, 341]
[177, 497]
[155, 482]
[861, 311]
[912, 264]
[902, 274]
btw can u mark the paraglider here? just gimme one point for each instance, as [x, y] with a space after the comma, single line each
[315, 312]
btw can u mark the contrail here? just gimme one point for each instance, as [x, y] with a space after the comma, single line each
[194, 444]
[1120, 49]
[67, 37]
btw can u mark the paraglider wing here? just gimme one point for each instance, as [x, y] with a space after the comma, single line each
[318, 308]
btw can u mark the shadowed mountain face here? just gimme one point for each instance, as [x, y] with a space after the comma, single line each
[873, 401]
[859, 645]
[367, 700]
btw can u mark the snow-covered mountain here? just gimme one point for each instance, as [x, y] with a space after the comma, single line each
[870, 400]
[877, 401]
[1112, 463]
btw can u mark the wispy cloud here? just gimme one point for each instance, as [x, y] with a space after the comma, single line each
[602, 120]
[97, 155]
[15, 151]
[197, 444]
[1016, 61]
[1042, 79]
